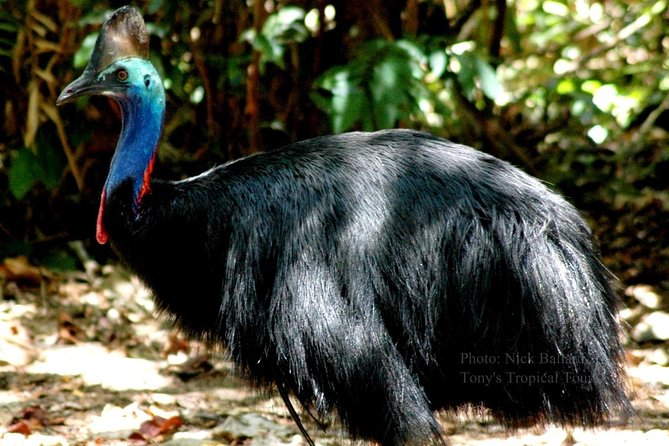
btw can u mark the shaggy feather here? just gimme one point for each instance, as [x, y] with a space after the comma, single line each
[376, 276]
[372, 274]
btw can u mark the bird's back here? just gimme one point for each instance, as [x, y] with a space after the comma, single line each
[298, 258]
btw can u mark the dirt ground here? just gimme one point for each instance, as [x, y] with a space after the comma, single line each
[85, 361]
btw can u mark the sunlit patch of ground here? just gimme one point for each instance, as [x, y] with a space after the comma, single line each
[84, 361]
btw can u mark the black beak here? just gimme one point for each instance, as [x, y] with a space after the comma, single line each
[82, 86]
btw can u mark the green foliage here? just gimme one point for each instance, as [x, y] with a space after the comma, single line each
[28, 168]
[384, 84]
[60, 260]
[574, 91]
[284, 27]
[83, 54]
[476, 74]
[23, 173]
[391, 82]
[8, 31]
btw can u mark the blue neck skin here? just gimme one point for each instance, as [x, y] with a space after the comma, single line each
[143, 112]
[141, 97]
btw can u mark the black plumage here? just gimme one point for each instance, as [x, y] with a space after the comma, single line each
[365, 271]
[377, 276]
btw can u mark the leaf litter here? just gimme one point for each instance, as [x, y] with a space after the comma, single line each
[84, 360]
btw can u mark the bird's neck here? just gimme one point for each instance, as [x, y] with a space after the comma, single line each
[143, 117]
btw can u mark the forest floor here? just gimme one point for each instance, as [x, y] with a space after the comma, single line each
[84, 360]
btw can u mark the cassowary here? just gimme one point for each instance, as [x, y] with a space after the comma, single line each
[380, 277]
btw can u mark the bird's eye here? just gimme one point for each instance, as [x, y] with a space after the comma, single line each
[122, 75]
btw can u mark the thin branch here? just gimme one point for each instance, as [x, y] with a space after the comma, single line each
[459, 22]
[252, 109]
[52, 112]
[497, 30]
[635, 144]
[411, 14]
[213, 126]
[379, 21]
[493, 132]
[54, 116]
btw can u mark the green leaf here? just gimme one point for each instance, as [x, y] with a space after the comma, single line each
[488, 76]
[383, 84]
[346, 111]
[286, 25]
[270, 50]
[23, 173]
[9, 27]
[391, 77]
[438, 63]
[60, 260]
[51, 162]
[512, 33]
[466, 74]
[473, 67]
[346, 100]
[95, 17]
[154, 6]
[566, 86]
[413, 55]
[83, 54]
[13, 248]
[45, 164]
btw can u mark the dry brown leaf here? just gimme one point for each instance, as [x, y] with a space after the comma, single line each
[45, 46]
[32, 118]
[18, 269]
[38, 29]
[157, 428]
[195, 366]
[569, 440]
[16, 346]
[20, 427]
[46, 76]
[52, 112]
[44, 20]
[18, 54]
[175, 344]
[68, 331]
[32, 418]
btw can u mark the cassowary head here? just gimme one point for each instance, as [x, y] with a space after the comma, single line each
[120, 69]
[119, 65]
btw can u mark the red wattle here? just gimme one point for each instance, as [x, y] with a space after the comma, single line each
[146, 180]
[100, 231]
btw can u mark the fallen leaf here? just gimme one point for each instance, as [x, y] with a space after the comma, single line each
[157, 428]
[16, 345]
[195, 366]
[20, 427]
[18, 269]
[35, 414]
[32, 418]
[175, 344]
[136, 436]
[68, 331]
[569, 439]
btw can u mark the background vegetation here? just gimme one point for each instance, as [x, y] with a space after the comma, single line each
[574, 92]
